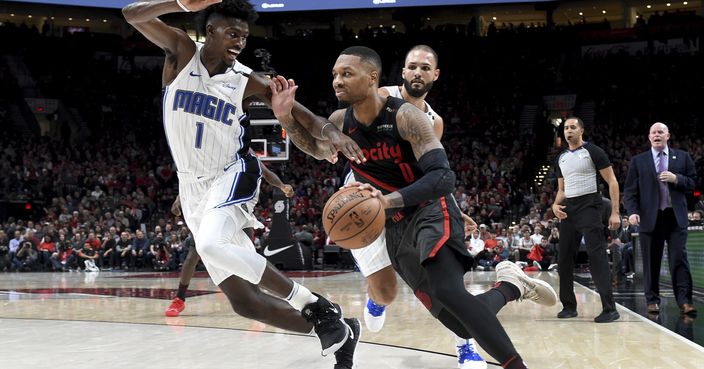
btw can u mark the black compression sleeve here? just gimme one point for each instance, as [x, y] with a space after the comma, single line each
[438, 179]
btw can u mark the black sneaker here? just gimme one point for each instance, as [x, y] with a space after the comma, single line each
[326, 318]
[345, 355]
[607, 316]
[567, 313]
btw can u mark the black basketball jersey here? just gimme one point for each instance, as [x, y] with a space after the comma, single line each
[391, 164]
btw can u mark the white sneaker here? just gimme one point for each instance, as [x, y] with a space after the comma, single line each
[374, 316]
[537, 265]
[468, 357]
[552, 267]
[532, 289]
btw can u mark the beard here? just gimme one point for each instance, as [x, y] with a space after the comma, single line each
[417, 92]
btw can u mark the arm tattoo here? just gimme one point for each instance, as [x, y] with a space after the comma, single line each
[305, 140]
[414, 127]
[302, 138]
[395, 200]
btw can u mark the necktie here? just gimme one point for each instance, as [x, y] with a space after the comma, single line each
[664, 190]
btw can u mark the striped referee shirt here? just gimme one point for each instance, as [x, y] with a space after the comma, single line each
[579, 168]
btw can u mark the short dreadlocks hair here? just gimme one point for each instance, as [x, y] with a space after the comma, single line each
[239, 9]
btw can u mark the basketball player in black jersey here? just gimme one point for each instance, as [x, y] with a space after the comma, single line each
[424, 229]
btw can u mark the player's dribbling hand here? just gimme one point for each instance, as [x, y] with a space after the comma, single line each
[375, 193]
[197, 5]
[558, 211]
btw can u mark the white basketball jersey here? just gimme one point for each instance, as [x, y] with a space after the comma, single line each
[202, 117]
[395, 91]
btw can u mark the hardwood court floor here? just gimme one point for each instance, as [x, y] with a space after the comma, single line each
[115, 320]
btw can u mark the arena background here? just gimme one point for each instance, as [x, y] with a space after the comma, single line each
[79, 106]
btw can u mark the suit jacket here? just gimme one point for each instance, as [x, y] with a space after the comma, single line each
[641, 193]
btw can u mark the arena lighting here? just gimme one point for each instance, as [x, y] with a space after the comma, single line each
[685, 3]
[581, 14]
[52, 18]
[105, 20]
[87, 19]
[648, 6]
[493, 18]
[29, 16]
[70, 18]
[603, 12]
[668, 4]
[12, 14]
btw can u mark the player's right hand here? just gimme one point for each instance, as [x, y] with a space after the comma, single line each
[374, 192]
[198, 5]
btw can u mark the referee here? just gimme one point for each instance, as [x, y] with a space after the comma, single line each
[579, 206]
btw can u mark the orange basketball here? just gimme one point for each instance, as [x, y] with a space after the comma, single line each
[353, 218]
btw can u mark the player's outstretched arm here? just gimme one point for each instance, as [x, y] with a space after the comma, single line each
[438, 179]
[179, 48]
[304, 127]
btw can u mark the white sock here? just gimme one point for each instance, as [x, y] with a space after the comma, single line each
[300, 297]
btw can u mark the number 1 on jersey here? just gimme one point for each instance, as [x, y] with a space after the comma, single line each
[199, 134]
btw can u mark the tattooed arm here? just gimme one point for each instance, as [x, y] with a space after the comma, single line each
[311, 133]
[438, 179]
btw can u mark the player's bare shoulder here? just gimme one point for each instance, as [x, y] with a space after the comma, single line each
[413, 126]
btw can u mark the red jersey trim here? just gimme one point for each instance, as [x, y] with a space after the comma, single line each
[446, 228]
[377, 182]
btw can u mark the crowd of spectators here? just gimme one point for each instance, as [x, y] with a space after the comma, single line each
[113, 185]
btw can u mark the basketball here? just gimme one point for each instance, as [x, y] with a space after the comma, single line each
[353, 218]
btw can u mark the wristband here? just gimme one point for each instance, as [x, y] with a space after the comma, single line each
[322, 129]
[182, 6]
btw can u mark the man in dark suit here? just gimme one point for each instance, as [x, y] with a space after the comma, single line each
[655, 197]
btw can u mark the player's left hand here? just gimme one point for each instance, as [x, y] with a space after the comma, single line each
[614, 222]
[332, 158]
[288, 190]
[344, 144]
[283, 94]
[667, 176]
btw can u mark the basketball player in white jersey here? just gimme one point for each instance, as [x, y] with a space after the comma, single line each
[178, 304]
[419, 72]
[204, 86]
